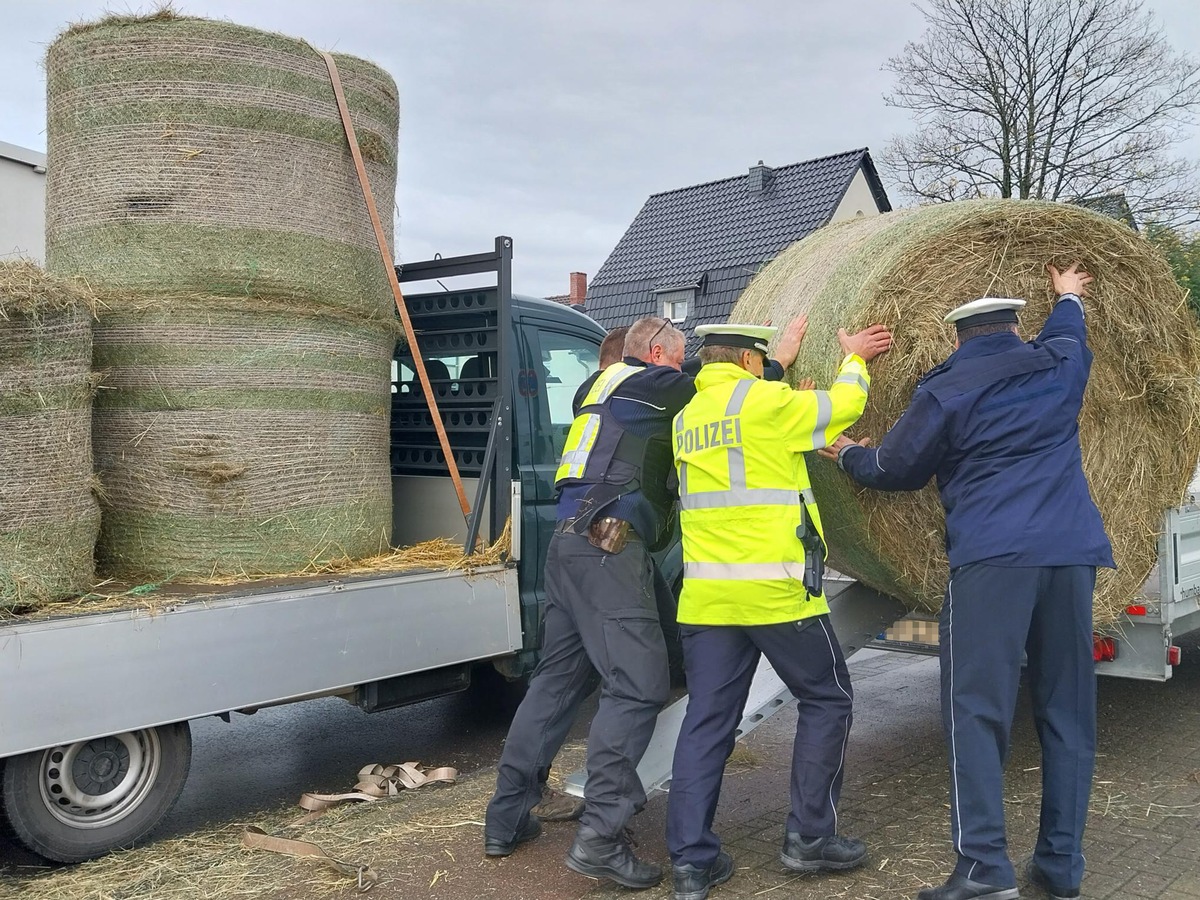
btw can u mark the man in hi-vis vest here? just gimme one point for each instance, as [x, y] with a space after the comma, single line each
[753, 555]
[615, 498]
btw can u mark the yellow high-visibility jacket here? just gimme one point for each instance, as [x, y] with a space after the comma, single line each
[739, 448]
[578, 460]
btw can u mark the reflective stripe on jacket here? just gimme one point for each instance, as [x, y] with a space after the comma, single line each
[585, 430]
[739, 448]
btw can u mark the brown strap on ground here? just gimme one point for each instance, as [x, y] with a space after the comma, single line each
[254, 838]
[374, 783]
[418, 362]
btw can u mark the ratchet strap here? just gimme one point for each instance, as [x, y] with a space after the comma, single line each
[376, 782]
[418, 362]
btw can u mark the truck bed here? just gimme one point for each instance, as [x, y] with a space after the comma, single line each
[194, 651]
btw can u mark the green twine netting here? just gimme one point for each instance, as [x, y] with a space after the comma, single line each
[230, 442]
[188, 155]
[48, 512]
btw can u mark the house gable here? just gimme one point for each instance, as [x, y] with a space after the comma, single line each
[715, 237]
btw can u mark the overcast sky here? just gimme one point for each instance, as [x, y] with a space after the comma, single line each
[553, 121]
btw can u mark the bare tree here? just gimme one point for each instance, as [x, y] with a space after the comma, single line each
[1049, 100]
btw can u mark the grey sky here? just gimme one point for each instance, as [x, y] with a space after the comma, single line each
[553, 121]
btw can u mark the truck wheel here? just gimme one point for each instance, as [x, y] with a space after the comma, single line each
[80, 800]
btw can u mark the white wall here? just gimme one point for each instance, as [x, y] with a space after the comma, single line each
[858, 200]
[22, 203]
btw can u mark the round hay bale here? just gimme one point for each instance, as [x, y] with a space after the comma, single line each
[907, 269]
[188, 155]
[237, 441]
[48, 511]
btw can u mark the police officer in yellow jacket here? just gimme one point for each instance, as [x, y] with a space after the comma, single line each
[753, 551]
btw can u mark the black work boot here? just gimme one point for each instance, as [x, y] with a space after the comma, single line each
[597, 856]
[822, 854]
[494, 846]
[692, 882]
[1039, 880]
[959, 887]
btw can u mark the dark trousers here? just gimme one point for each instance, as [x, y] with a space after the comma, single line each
[990, 615]
[720, 661]
[601, 617]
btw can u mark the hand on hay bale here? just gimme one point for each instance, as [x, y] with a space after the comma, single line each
[843, 441]
[790, 340]
[1070, 281]
[868, 343]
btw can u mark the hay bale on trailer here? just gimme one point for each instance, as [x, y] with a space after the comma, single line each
[237, 437]
[195, 156]
[1139, 424]
[199, 175]
[48, 512]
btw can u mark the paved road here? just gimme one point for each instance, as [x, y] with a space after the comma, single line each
[1143, 831]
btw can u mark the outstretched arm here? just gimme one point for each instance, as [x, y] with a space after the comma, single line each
[1065, 330]
[909, 455]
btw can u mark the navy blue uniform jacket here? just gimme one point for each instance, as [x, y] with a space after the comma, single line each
[997, 423]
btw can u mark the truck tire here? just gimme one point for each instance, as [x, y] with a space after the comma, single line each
[80, 800]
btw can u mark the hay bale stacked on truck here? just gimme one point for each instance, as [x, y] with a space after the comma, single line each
[906, 269]
[199, 176]
[48, 511]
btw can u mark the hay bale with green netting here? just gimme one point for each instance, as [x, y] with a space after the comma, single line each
[48, 512]
[238, 437]
[907, 269]
[195, 156]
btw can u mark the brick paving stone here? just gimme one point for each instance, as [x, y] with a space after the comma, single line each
[1143, 839]
[1186, 885]
[1147, 884]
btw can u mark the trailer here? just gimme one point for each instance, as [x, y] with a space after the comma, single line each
[1141, 643]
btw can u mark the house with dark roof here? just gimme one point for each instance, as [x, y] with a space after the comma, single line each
[690, 252]
[1114, 205]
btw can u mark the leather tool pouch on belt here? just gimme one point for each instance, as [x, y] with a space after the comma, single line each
[814, 553]
[609, 534]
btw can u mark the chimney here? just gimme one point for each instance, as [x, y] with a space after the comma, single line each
[760, 178]
[578, 294]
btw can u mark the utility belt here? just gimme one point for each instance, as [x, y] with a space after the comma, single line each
[814, 553]
[608, 533]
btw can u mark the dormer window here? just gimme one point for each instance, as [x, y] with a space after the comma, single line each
[675, 302]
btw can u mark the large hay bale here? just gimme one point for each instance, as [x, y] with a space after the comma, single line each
[907, 269]
[48, 512]
[188, 155]
[234, 440]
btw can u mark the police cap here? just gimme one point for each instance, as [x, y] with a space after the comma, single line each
[985, 311]
[746, 337]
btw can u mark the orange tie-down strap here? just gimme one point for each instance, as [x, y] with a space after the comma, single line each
[254, 838]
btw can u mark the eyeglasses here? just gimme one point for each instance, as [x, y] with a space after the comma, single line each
[650, 343]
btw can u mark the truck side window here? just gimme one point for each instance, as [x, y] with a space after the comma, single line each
[566, 361]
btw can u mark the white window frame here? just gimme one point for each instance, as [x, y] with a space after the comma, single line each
[672, 298]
